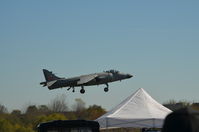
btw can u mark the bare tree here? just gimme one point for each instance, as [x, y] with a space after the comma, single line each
[3, 109]
[59, 104]
[79, 108]
[79, 105]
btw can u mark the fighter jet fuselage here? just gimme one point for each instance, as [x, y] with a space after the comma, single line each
[54, 82]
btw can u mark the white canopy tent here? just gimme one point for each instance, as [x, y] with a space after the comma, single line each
[139, 110]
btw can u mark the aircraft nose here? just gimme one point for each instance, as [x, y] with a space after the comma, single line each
[129, 75]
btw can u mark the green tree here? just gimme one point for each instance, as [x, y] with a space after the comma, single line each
[54, 116]
[94, 112]
[16, 112]
[195, 106]
[19, 128]
[5, 126]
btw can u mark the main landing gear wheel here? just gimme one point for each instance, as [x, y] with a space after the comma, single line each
[106, 89]
[82, 91]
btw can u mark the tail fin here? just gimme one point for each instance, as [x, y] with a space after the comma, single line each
[49, 76]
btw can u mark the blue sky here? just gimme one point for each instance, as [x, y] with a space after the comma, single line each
[155, 40]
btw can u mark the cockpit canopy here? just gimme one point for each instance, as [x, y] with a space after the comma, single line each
[112, 71]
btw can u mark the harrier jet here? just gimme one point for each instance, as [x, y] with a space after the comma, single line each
[54, 82]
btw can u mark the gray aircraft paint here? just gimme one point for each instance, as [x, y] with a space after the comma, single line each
[54, 82]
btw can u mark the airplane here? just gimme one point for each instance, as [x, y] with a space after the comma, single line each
[54, 82]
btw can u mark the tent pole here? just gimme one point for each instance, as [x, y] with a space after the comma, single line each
[153, 122]
[106, 124]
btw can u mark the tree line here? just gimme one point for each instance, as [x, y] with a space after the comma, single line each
[57, 109]
[175, 105]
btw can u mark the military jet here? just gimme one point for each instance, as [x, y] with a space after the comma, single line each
[54, 82]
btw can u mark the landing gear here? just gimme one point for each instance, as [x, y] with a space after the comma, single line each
[72, 88]
[82, 91]
[106, 88]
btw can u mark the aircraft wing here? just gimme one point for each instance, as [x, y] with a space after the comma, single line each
[87, 78]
